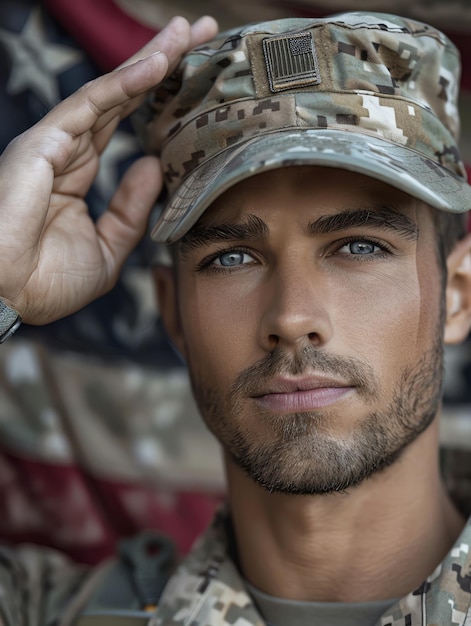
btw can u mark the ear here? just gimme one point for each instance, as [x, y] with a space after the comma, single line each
[166, 289]
[458, 293]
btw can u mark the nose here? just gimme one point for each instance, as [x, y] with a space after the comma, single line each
[295, 309]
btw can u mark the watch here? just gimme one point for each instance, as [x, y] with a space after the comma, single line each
[10, 321]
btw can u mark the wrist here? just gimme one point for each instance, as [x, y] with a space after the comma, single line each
[10, 321]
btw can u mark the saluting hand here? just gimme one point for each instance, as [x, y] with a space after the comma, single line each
[53, 258]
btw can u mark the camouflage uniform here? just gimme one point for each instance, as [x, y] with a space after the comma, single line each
[41, 588]
[207, 589]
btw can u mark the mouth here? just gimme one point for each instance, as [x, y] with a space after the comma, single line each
[289, 395]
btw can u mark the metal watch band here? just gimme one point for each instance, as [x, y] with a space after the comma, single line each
[10, 321]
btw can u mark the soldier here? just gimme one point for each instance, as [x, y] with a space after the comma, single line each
[315, 221]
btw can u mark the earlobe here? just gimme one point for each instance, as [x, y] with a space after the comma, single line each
[166, 290]
[458, 293]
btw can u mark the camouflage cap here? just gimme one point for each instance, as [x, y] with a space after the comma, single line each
[369, 92]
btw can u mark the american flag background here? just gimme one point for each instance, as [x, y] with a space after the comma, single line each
[99, 435]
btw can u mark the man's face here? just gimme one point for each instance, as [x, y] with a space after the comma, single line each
[310, 318]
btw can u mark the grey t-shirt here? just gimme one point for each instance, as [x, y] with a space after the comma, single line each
[280, 612]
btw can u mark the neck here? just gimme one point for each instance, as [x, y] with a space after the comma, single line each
[376, 541]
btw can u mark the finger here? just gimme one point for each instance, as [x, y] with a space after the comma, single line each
[203, 30]
[177, 38]
[176, 35]
[61, 136]
[174, 40]
[109, 93]
[104, 102]
[125, 221]
[79, 113]
[105, 94]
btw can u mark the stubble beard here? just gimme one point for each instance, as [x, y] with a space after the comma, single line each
[297, 454]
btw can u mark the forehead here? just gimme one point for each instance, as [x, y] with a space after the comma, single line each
[320, 190]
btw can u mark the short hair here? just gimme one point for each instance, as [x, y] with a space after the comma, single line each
[450, 228]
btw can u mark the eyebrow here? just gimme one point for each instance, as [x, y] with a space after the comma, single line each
[252, 228]
[384, 218]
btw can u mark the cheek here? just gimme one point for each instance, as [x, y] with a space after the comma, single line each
[218, 329]
[391, 320]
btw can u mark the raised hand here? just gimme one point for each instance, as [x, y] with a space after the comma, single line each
[53, 258]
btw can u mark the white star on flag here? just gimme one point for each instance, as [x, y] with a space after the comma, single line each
[36, 61]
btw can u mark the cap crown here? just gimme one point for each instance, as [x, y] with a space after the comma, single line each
[373, 74]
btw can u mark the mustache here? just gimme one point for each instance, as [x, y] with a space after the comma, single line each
[310, 361]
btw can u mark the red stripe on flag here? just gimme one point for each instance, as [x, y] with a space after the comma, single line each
[106, 33]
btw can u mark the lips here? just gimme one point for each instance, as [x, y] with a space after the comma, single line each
[287, 395]
[290, 385]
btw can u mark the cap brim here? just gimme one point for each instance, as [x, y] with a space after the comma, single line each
[396, 165]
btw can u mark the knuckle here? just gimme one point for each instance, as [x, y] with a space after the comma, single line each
[86, 87]
[88, 93]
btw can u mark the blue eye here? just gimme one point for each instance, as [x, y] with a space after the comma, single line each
[232, 259]
[360, 247]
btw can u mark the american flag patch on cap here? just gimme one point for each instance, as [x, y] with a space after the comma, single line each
[291, 61]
